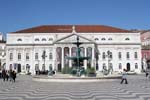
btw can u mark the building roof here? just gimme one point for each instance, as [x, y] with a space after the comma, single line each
[145, 35]
[68, 29]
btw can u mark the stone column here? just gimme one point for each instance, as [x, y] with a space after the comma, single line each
[54, 59]
[70, 61]
[85, 61]
[62, 60]
[24, 58]
[92, 63]
[32, 66]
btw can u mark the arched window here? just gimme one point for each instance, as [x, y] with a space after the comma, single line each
[10, 67]
[103, 39]
[104, 66]
[37, 39]
[19, 39]
[36, 56]
[127, 38]
[136, 66]
[50, 67]
[96, 39]
[43, 39]
[36, 68]
[120, 66]
[109, 38]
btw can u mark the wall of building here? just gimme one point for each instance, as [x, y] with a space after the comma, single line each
[114, 42]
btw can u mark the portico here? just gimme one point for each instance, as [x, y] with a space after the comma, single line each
[66, 48]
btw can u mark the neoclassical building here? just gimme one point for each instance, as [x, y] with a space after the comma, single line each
[48, 46]
[145, 40]
[2, 52]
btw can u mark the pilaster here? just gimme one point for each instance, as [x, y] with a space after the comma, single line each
[62, 60]
[85, 61]
[70, 61]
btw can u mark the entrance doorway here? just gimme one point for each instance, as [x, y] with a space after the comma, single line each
[19, 68]
[59, 67]
[128, 66]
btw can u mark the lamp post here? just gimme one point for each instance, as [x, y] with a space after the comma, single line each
[43, 57]
[37, 67]
[108, 55]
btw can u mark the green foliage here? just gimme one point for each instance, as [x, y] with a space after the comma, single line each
[66, 70]
[83, 71]
[73, 71]
[91, 70]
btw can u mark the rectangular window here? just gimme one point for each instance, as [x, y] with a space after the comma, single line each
[135, 55]
[50, 56]
[119, 55]
[11, 56]
[36, 56]
[128, 55]
[103, 56]
[27, 56]
[19, 56]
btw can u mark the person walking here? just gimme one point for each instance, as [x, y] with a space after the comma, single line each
[14, 76]
[3, 74]
[7, 75]
[124, 78]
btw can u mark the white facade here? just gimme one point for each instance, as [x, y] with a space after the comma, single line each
[145, 38]
[2, 52]
[29, 45]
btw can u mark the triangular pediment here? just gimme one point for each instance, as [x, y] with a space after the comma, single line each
[73, 38]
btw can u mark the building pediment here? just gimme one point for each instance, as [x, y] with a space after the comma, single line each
[73, 38]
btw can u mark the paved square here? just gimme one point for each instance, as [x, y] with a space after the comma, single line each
[26, 89]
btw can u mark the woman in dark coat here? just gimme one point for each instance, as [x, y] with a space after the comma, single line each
[14, 75]
[3, 74]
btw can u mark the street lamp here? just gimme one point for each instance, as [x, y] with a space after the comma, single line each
[108, 55]
[43, 57]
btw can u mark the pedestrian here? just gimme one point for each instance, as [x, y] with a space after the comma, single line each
[3, 74]
[124, 78]
[147, 72]
[7, 75]
[14, 75]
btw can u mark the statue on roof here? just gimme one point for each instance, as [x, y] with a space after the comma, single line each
[73, 29]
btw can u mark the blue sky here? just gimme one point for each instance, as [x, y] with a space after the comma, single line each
[127, 14]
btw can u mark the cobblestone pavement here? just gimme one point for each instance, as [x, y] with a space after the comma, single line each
[26, 89]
